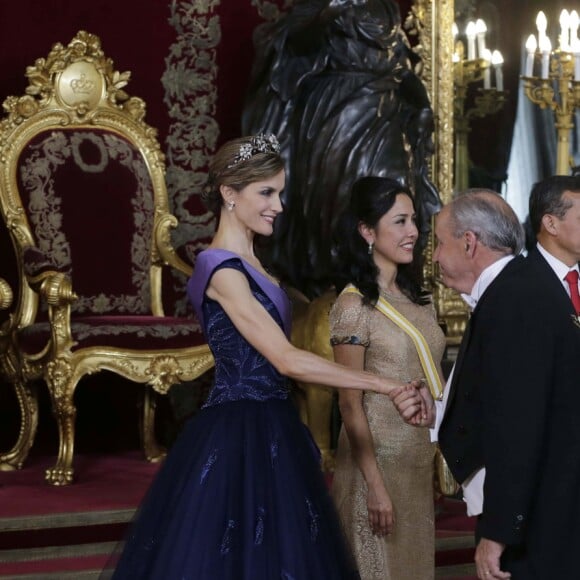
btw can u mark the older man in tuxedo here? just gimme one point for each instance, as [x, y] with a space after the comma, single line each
[512, 404]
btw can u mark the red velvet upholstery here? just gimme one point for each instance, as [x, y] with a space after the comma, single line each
[89, 199]
[126, 332]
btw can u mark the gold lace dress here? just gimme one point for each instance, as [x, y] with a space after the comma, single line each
[404, 453]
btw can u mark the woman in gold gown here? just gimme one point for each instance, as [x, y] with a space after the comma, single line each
[383, 483]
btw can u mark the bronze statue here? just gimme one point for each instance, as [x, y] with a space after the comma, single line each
[336, 81]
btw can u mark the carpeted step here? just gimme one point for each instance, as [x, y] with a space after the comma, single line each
[45, 537]
[76, 575]
[52, 533]
[454, 550]
[80, 561]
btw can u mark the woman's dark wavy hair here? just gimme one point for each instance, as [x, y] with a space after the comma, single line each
[370, 199]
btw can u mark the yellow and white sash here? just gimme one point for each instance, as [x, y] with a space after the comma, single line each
[427, 363]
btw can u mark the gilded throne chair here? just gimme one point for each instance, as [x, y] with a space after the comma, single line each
[83, 196]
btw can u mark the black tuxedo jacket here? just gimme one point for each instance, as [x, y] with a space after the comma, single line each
[514, 408]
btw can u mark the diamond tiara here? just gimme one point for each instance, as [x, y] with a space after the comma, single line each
[261, 143]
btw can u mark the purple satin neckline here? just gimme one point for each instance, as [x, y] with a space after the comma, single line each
[206, 263]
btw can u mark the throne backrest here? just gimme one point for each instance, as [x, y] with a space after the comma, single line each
[89, 202]
[83, 181]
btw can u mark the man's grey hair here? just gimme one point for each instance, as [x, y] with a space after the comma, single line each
[485, 213]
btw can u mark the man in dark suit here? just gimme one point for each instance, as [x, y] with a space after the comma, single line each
[478, 235]
[513, 401]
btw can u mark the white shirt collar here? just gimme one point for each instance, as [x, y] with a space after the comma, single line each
[558, 266]
[485, 279]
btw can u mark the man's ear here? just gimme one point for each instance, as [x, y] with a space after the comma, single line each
[549, 224]
[470, 240]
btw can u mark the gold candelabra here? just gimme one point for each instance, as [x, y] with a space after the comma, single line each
[487, 100]
[558, 85]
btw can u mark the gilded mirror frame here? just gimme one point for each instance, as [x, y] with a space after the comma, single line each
[432, 21]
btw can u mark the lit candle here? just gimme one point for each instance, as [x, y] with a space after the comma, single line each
[531, 46]
[546, 49]
[480, 30]
[542, 25]
[497, 61]
[470, 33]
[574, 22]
[486, 72]
[564, 30]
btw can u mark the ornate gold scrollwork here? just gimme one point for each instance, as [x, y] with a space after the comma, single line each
[165, 251]
[28, 403]
[164, 371]
[200, 365]
[59, 377]
[5, 294]
[59, 373]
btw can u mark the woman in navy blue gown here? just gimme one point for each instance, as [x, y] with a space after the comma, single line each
[241, 495]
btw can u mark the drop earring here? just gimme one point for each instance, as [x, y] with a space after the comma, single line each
[371, 246]
[231, 205]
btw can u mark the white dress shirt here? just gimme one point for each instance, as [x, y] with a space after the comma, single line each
[559, 267]
[473, 485]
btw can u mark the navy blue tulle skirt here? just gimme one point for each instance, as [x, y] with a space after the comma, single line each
[240, 496]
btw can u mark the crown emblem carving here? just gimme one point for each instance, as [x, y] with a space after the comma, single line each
[82, 85]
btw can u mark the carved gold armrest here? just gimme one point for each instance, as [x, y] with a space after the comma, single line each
[5, 295]
[167, 253]
[55, 288]
[45, 279]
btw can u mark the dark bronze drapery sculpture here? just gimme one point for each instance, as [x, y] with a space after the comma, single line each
[338, 83]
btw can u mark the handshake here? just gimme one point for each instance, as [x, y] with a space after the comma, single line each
[415, 403]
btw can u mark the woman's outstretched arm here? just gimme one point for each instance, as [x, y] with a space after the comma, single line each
[231, 289]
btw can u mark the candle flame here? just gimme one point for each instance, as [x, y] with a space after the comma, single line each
[541, 21]
[531, 43]
[480, 26]
[564, 18]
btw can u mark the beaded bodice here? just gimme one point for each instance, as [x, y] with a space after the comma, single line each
[241, 372]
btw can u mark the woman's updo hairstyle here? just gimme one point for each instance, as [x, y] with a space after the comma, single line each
[240, 162]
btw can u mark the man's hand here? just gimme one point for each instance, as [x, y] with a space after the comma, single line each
[487, 557]
[415, 404]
